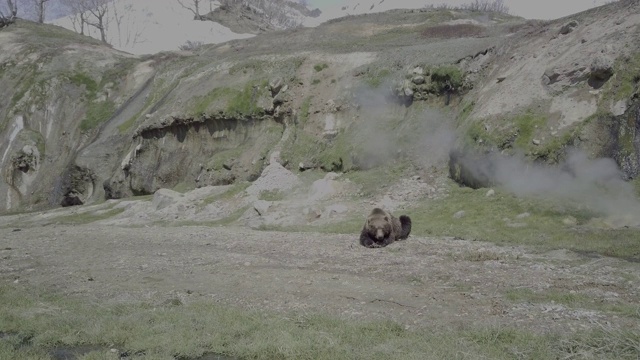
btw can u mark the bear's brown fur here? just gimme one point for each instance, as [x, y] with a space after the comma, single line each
[382, 229]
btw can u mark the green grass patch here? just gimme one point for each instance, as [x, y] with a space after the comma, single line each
[272, 195]
[245, 67]
[320, 67]
[220, 158]
[97, 114]
[240, 103]
[301, 147]
[90, 85]
[446, 75]
[553, 149]
[244, 103]
[467, 109]
[515, 132]
[128, 125]
[233, 190]
[494, 219]
[89, 216]
[315, 81]
[375, 78]
[202, 104]
[117, 72]
[36, 322]
[527, 124]
[182, 187]
[625, 81]
[304, 110]
[374, 181]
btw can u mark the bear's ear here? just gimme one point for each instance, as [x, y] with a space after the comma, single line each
[386, 218]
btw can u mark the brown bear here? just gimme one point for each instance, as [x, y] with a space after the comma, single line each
[382, 228]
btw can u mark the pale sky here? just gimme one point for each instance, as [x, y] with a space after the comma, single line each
[530, 9]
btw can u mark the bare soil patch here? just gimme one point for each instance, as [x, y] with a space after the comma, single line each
[420, 282]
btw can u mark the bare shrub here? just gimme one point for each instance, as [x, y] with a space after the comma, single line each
[275, 12]
[477, 5]
[487, 6]
[191, 45]
[8, 15]
[453, 31]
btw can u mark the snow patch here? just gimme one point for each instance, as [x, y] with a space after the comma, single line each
[18, 125]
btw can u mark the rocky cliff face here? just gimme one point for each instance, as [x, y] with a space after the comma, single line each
[81, 122]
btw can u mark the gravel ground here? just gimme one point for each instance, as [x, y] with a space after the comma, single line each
[418, 282]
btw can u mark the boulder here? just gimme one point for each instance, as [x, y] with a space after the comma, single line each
[418, 79]
[601, 67]
[275, 85]
[568, 27]
[164, 198]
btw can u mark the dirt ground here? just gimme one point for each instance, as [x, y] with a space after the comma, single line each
[419, 282]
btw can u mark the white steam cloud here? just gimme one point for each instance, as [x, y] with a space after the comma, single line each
[595, 183]
[387, 130]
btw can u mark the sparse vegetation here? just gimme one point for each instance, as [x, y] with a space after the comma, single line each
[233, 190]
[249, 65]
[572, 299]
[371, 181]
[191, 45]
[31, 329]
[245, 103]
[320, 67]
[89, 216]
[375, 78]
[553, 149]
[97, 114]
[496, 6]
[446, 78]
[626, 81]
[478, 256]
[239, 103]
[487, 6]
[304, 110]
[492, 219]
[81, 79]
[201, 104]
[27, 82]
[518, 132]
[272, 195]
[527, 125]
[453, 31]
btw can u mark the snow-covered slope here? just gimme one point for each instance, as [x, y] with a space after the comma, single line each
[332, 9]
[147, 27]
[540, 9]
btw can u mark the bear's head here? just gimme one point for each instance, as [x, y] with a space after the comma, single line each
[379, 226]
